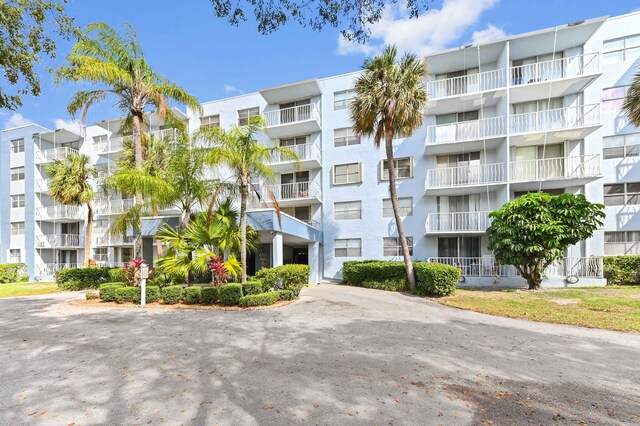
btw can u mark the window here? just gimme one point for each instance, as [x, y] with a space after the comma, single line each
[346, 210]
[17, 145]
[342, 99]
[621, 146]
[17, 228]
[17, 201]
[391, 246]
[348, 247]
[403, 168]
[613, 97]
[15, 256]
[298, 140]
[621, 243]
[17, 173]
[100, 139]
[621, 49]
[101, 254]
[347, 173]
[405, 204]
[211, 121]
[244, 115]
[621, 194]
[345, 137]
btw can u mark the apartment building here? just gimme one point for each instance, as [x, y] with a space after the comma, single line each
[530, 112]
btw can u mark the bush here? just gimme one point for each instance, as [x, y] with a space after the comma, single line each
[261, 299]
[192, 295]
[622, 270]
[209, 295]
[376, 274]
[172, 294]
[11, 272]
[252, 287]
[117, 275]
[230, 294]
[91, 277]
[128, 294]
[152, 293]
[293, 277]
[108, 291]
[436, 279]
[74, 286]
[286, 294]
[91, 295]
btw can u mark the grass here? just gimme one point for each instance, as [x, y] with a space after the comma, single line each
[613, 307]
[27, 289]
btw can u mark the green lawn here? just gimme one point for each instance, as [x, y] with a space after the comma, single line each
[27, 289]
[613, 308]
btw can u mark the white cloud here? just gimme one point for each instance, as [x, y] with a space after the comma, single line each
[434, 30]
[73, 126]
[490, 33]
[16, 120]
[228, 88]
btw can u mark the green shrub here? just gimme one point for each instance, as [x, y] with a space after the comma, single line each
[230, 294]
[399, 284]
[108, 291]
[376, 274]
[152, 293]
[128, 294]
[436, 279]
[11, 272]
[172, 294]
[209, 295]
[622, 270]
[252, 287]
[91, 295]
[192, 295]
[286, 294]
[24, 278]
[293, 277]
[261, 299]
[91, 277]
[117, 275]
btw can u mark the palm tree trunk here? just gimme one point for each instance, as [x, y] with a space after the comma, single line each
[87, 240]
[408, 263]
[243, 230]
[137, 142]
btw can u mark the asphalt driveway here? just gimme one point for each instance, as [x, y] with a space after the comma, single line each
[338, 356]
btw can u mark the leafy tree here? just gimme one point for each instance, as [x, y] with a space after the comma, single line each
[353, 17]
[389, 102]
[70, 184]
[534, 231]
[631, 105]
[114, 65]
[27, 35]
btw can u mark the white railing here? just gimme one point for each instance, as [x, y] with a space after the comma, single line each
[312, 223]
[296, 190]
[59, 212]
[307, 151]
[555, 119]
[53, 154]
[485, 266]
[556, 168]
[572, 66]
[467, 130]
[466, 175]
[58, 240]
[170, 134]
[471, 83]
[42, 185]
[291, 115]
[48, 269]
[114, 240]
[110, 145]
[458, 222]
[582, 267]
[105, 207]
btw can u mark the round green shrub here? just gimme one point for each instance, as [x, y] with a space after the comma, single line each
[108, 291]
[209, 295]
[252, 287]
[377, 274]
[152, 293]
[230, 294]
[436, 279]
[192, 295]
[293, 277]
[117, 275]
[128, 294]
[286, 295]
[172, 294]
[261, 299]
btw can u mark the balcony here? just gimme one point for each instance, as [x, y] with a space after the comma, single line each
[297, 120]
[308, 158]
[555, 78]
[456, 222]
[114, 240]
[463, 177]
[53, 154]
[295, 194]
[109, 146]
[60, 213]
[170, 135]
[563, 168]
[554, 125]
[447, 95]
[487, 129]
[485, 266]
[41, 185]
[112, 207]
[53, 241]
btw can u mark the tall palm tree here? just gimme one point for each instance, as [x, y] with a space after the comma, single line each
[114, 65]
[389, 101]
[244, 160]
[70, 184]
[631, 105]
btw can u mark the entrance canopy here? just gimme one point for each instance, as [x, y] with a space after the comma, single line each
[267, 220]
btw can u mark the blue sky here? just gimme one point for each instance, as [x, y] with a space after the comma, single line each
[186, 43]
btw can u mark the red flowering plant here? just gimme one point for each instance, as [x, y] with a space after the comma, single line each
[219, 273]
[132, 271]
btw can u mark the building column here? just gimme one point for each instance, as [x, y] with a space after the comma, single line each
[277, 250]
[314, 262]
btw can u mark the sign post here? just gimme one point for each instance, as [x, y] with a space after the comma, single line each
[144, 274]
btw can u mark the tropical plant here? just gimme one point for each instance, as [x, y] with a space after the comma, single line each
[114, 64]
[70, 184]
[534, 231]
[389, 101]
[244, 160]
[631, 105]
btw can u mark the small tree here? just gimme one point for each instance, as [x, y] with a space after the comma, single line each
[534, 231]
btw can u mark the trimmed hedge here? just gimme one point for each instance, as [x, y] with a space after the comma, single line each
[293, 277]
[117, 275]
[261, 299]
[192, 295]
[209, 295]
[74, 286]
[435, 279]
[377, 274]
[11, 272]
[230, 294]
[128, 294]
[152, 293]
[622, 270]
[286, 295]
[91, 277]
[252, 287]
[91, 295]
[172, 294]
[108, 291]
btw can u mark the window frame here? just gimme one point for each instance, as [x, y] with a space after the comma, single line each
[387, 212]
[17, 145]
[15, 171]
[17, 230]
[624, 147]
[623, 51]
[12, 256]
[209, 124]
[349, 210]
[396, 247]
[396, 162]
[350, 135]
[341, 104]
[249, 115]
[347, 247]
[15, 201]
[625, 194]
[333, 172]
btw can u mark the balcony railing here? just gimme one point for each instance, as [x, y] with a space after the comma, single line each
[458, 222]
[42, 185]
[58, 240]
[291, 115]
[296, 190]
[53, 154]
[114, 240]
[467, 130]
[485, 266]
[49, 269]
[581, 267]
[105, 207]
[572, 66]
[170, 134]
[59, 212]
[555, 119]
[308, 151]
[471, 83]
[480, 174]
[581, 166]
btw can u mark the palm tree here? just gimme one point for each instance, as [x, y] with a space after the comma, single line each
[70, 184]
[244, 160]
[631, 105]
[389, 101]
[114, 65]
